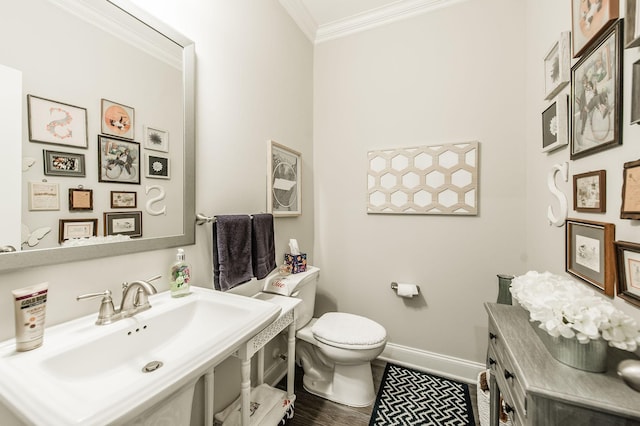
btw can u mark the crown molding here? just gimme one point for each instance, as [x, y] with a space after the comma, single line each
[302, 17]
[398, 10]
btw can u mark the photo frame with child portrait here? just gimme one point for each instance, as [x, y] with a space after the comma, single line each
[596, 96]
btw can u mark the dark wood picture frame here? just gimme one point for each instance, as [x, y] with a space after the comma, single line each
[124, 199]
[631, 26]
[589, 20]
[590, 254]
[129, 223]
[590, 192]
[628, 268]
[118, 160]
[77, 228]
[596, 123]
[630, 207]
[80, 199]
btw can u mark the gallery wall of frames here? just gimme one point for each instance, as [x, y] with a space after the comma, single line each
[583, 75]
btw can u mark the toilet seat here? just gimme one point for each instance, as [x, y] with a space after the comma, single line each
[348, 331]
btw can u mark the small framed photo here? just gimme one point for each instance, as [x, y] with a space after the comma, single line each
[596, 97]
[283, 182]
[80, 199]
[156, 139]
[635, 93]
[589, 19]
[628, 264]
[77, 228]
[64, 164]
[129, 223]
[57, 123]
[124, 199]
[557, 66]
[589, 192]
[555, 131]
[157, 167]
[118, 160]
[590, 253]
[630, 208]
[43, 196]
[117, 119]
[632, 24]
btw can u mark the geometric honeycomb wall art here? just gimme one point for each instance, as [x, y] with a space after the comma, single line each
[439, 179]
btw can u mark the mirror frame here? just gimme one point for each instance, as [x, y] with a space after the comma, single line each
[23, 259]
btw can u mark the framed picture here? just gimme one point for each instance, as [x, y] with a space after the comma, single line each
[80, 199]
[123, 224]
[590, 192]
[57, 123]
[124, 199]
[63, 164]
[156, 139]
[630, 208]
[589, 19]
[43, 196]
[283, 182]
[635, 93]
[596, 96]
[117, 119]
[77, 228]
[118, 160]
[632, 24]
[555, 118]
[590, 253]
[557, 66]
[157, 167]
[628, 267]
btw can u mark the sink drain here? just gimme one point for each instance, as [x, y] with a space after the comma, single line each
[151, 366]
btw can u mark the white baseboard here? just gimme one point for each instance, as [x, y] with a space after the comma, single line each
[442, 365]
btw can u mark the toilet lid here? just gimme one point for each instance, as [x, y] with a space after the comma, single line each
[348, 331]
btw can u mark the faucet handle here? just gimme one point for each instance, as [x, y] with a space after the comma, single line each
[107, 311]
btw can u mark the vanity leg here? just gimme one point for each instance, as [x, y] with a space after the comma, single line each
[291, 359]
[245, 390]
[208, 397]
[260, 367]
[494, 402]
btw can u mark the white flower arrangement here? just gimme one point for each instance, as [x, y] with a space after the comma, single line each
[565, 308]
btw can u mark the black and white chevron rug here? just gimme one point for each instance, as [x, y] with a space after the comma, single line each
[408, 397]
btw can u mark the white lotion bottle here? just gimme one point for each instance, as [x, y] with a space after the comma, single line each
[180, 276]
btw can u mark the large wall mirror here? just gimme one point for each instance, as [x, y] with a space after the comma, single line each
[102, 145]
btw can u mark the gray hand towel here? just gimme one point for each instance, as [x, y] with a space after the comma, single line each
[263, 251]
[231, 251]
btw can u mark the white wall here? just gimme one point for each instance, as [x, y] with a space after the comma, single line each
[455, 74]
[545, 20]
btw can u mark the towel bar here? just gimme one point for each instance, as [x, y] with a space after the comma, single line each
[394, 286]
[202, 219]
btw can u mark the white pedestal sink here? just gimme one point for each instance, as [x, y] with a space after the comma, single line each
[86, 374]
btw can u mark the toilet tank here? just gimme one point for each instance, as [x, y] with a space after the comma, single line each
[306, 291]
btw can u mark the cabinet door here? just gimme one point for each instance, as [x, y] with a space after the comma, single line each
[548, 412]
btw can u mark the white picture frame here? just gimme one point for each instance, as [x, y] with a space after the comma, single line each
[557, 66]
[555, 124]
[44, 196]
[284, 192]
[156, 139]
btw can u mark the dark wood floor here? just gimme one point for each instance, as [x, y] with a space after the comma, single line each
[312, 410]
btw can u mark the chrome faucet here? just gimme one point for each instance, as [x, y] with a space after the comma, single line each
[134, 300]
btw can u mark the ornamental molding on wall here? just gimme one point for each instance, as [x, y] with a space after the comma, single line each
[439, 179]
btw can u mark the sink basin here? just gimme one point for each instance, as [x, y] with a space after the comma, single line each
[93, 375]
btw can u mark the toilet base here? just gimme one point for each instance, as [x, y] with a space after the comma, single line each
[352, 385]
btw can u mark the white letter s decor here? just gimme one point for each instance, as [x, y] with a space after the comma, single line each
[159, 197]
[562, 199]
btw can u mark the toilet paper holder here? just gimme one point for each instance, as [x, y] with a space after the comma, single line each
[394, 286]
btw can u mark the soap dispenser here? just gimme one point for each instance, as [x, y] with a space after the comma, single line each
[179, 276]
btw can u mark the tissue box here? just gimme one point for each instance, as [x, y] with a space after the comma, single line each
[298, 262]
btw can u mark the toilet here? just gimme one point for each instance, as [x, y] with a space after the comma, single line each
[336, 349]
